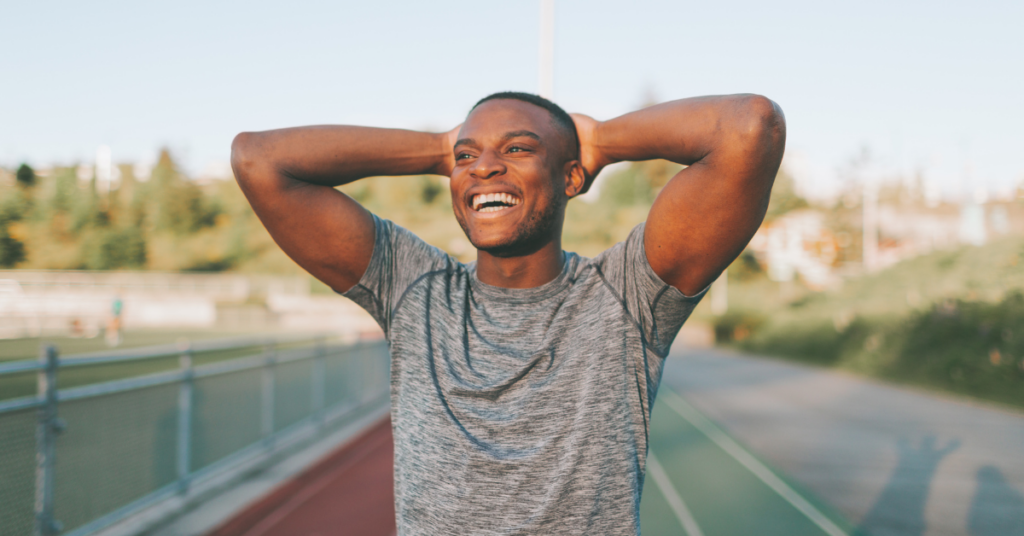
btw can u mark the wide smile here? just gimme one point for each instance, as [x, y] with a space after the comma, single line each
[494, 203]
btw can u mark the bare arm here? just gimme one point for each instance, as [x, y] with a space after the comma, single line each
[707, 213]
[289, 176]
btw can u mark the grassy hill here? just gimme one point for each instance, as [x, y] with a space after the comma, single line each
[951, 320]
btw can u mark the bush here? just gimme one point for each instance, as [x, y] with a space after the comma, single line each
[820, 341]
[12, 251]
[970, 347]
[26, 176]
[109, 249]
[737, 326]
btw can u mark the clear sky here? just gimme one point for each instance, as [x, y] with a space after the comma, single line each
[934, 87]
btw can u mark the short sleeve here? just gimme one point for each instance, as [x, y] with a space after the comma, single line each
[399, 259]
[658, 309]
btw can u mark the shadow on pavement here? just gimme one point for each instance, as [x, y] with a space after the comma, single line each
[899, 509]
[997, 509]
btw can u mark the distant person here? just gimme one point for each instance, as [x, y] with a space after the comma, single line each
[113, 332]
[522, 383]
[75, 328]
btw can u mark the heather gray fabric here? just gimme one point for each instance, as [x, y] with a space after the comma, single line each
[520, 411]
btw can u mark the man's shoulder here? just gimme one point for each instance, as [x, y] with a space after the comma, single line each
[626, 249]
[410, 250]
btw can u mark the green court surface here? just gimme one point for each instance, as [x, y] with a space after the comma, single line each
[701, 482]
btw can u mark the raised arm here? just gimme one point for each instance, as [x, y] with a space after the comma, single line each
[289, 176]
[704, 216]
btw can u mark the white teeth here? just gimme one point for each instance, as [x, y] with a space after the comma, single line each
[481, 199]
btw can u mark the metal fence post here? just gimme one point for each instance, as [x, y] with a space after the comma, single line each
[267, 413]
[47, 427]
[185, 398]
[319, 381]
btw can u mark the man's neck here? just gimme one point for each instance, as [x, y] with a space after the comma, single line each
[527, 271]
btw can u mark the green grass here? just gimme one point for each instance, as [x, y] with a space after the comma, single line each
[28, 348]
[951, 321]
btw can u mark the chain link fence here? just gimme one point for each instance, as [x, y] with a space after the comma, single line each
[73, 461]
[17, 471]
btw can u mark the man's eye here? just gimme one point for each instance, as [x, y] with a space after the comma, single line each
[516, 149]
[462, 156]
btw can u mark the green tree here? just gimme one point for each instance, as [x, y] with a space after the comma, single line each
[178, 204]
[65, 184]
[430, 188]
[26, 176]
[626, 188]
[110, 249]
[85, 210]
[12, 250]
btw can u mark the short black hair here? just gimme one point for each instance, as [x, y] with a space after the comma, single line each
[562, 119]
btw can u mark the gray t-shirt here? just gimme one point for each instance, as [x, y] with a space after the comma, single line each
[520, 411]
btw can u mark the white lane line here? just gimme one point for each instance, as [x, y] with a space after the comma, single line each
[672, 496]
[714, 433]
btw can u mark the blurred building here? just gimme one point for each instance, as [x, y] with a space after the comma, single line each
[806, 243]
[797, 244]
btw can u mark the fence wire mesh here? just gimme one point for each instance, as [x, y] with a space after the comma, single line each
[337, 371]
[293, 387]
[17, 472]
[226, 415]
[116, 449]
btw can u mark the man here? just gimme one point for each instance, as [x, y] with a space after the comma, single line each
[522, 384]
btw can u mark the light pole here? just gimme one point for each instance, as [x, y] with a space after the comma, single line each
[870, 215]
[546, 73]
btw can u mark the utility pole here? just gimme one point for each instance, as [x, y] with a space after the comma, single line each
[104, 170]
[546, 73]
[870, 215]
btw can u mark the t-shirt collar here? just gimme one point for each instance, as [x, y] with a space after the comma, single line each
[526, 295]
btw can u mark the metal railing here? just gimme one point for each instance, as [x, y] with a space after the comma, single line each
[74, 461]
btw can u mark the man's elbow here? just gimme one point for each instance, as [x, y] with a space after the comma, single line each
[763, 123]
[244, 155]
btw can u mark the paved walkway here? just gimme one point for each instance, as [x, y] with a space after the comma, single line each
[892, 460]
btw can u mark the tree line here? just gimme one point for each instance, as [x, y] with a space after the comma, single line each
[168, 222]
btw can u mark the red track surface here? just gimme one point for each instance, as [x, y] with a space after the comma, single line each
[348, 493]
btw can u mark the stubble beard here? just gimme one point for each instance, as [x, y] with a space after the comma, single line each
[528, 237]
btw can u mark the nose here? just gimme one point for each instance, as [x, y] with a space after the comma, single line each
[487, 165]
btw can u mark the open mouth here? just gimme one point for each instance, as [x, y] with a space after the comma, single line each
[494, 202]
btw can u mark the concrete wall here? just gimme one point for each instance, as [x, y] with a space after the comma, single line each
[33, 303]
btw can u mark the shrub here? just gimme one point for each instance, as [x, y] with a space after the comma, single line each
[737, 326]
[109, 249]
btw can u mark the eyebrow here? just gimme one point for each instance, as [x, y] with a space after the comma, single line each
[519, 134]
[506, 137]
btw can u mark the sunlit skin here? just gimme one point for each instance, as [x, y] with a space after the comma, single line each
[513, 147]
[731, 145]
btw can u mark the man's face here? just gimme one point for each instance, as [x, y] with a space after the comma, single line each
[509, 182]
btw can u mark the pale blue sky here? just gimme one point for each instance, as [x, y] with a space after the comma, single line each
[925, 85]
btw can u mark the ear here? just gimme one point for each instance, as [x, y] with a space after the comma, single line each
[575, 178]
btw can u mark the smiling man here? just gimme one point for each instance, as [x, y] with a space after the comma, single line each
[522, 384]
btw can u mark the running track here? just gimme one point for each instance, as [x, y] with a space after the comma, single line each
[702, 479]
[348, 493]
